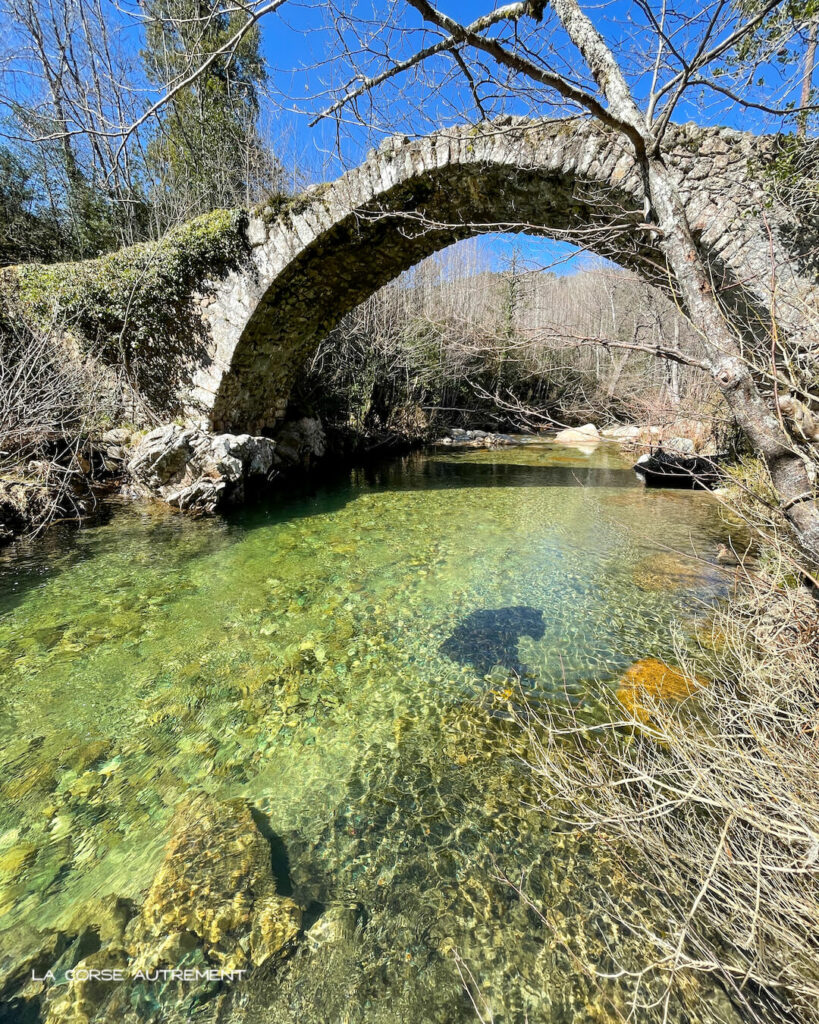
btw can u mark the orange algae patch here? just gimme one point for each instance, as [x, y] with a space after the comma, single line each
[653, 679]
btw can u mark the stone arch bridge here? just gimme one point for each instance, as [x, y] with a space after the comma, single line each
[314, 258]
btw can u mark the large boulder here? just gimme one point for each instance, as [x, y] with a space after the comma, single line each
[578, 435]
[621, 432]
[197, 471]
[216, 890]
[300, 442]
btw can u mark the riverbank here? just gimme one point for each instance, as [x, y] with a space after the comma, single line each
[200, 473]
[708, 793]
[67, 480]
[189, 469]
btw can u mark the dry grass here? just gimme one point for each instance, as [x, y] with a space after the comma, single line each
[712, 797]
[50, 401]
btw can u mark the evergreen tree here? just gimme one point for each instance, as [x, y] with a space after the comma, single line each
[207, 153]
[28, 229]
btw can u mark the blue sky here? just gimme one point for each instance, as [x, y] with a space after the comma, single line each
[297, 45]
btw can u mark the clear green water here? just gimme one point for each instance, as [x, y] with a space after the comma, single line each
[330, 658]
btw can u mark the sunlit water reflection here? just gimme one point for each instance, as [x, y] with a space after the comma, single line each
[332, 659]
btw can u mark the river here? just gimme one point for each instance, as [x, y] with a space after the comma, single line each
[340, 659]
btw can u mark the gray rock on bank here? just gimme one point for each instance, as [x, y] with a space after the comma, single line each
[680, 446]
[196, 471]
[621, 432]
[114, 447]
[299, 442]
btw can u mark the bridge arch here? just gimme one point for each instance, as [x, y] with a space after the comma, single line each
[314, 258]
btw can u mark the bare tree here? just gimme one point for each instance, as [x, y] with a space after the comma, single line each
[93, 92]
[807, 76]
[455, 340]
[75, 83]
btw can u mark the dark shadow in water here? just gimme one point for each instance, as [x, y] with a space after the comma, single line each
[420, 473]
[279, 857]
[313, 912]
[489, 637]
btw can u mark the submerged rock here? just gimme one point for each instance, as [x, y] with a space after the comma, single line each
[25, 959]
[197, 471]
[212, 906]
[215, 885]
[91, 987]
[15, 859]
[276, 923]
[108, 916]
[336, 925]
[649, 682]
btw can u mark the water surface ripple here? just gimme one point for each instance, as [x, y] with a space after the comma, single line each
[331, 659]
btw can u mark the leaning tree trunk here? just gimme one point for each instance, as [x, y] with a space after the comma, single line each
[732, 374]
[761, 426]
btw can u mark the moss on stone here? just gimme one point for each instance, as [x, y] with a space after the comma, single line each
[273, 207]
[138, 297]
[283, 205]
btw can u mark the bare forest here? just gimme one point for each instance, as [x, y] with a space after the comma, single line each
[456, 342]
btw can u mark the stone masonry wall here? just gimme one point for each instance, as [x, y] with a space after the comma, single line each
[318, 256]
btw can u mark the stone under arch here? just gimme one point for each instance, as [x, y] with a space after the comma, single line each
[314, 258]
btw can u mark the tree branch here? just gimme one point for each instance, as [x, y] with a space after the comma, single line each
[520, 64]
[603, 66]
